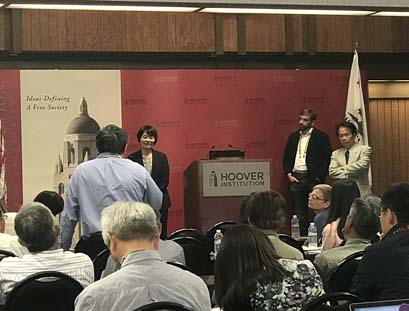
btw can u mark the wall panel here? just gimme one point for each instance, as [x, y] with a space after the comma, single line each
[389, 138]
[230, 33]
[100, 31]
[265, 33]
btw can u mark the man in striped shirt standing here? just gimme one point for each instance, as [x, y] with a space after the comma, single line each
[34, 225]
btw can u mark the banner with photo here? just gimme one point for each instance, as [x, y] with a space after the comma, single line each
[61, 113]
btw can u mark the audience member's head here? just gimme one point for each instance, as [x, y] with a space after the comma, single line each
[265, 210]
[149, 130]
[52, 200]
[343, 193]
[374, 202]
[128, 226]
[395, 206]
[244, 219]
[362, 221]
[34, 226]
[320, 198]
[112, 139]
[158, 223]
[245, 256]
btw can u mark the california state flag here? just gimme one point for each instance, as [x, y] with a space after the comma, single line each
[355, 108]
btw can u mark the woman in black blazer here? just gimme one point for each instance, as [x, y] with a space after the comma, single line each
[156, 163]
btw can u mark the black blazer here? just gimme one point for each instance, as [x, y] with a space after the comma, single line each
[383, 273]
[160, 172]
[318, 155]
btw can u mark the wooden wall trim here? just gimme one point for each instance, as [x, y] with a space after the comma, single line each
[218, 34]
[388, 89]
[16, 31]
[100, 32]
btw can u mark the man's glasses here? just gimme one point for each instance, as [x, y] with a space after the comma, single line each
[313, 196]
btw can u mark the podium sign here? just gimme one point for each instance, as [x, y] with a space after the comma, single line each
[235, 178]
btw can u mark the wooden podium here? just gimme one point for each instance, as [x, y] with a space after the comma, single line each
[214, 189]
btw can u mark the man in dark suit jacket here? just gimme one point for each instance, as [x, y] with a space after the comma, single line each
[383, 273]
[159, 169]
[307, 155]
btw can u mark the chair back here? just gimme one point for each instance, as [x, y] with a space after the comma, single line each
[341, 278]
[194, 233]
[223, 226]
[100, 263]
[196, 255]
[45, 291]
[4, 254]
[163, 306]
[292, 242]
[336, 301]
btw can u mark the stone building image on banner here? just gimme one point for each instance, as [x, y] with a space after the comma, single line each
[79, 146]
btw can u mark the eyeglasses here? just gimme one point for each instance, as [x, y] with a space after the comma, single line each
[315, 197]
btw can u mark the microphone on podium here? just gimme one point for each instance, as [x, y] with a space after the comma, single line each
[206, 156]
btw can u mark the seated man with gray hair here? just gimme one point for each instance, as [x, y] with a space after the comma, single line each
[132, 235]
[168, 250]
[34, 226]
[361, 225]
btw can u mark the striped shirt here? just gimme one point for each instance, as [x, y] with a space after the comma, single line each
[14, 269]
[10, 243]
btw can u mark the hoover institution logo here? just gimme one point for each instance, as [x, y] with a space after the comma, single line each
[235, 178]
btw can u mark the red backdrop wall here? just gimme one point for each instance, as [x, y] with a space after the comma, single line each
[256, 110]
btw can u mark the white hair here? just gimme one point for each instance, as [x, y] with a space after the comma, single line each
[129, 221]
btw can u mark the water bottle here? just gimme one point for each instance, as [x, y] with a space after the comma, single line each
[295, 227]
[218, 236]
[312, 235]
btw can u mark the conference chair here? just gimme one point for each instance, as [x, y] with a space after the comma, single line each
[100, 263]
[44, 291]
[4, 254]
[163, 306]
[90, 246]
[336, 301]
[196, 255]
[194, 233]
[223, 226]
[341, 278]
[292, 242]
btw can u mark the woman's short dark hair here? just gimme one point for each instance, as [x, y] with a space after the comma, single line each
[349, 125]
[343, 193]
[246, 257]
[150, 130]
[265, 210]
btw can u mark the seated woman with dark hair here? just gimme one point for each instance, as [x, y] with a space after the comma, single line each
[249, 276]
[343, 193]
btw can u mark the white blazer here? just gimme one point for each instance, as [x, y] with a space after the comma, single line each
[357, 167]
